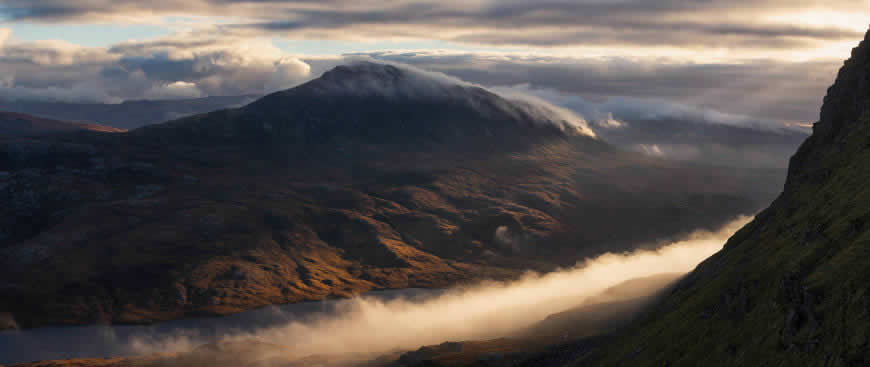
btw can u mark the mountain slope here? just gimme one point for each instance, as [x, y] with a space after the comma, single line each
[16, 124]
[384, 105]
[791, 287]
[126, 115]
[313, 193]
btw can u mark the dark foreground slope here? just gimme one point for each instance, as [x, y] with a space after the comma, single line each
[369, 177]
[791, 288]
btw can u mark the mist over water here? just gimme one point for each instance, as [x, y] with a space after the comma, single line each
[382, 322]
[487, 310]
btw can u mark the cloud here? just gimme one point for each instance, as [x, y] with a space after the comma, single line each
[609, 122]
[651, 150]
[367, 77]
[363, 75]
[704, 24]
[547, 111]
[372, 326]
[613, 112]
[4, 35]
[176, 67]
[176, 90]
[759, 89]
[509, 240]
[664, 129]
[724, 56]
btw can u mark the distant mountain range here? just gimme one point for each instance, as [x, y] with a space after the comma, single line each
[372, 176]
[126, 115]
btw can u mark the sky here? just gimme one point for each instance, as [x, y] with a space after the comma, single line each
[764, 62]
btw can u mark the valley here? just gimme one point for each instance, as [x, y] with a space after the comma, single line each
[239, 209]
[426, 183]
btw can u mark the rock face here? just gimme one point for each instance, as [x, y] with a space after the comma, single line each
[313, 193]
[791, 287]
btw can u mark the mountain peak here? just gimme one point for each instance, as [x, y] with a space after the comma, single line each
[370, 79]
[387, 102]
[364, 69]
[845, 107]
[848, 98]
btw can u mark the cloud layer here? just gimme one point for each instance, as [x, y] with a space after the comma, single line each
[369, 326]
[160, 69]
[759, 63]
[754, 24]
[758, 58]
[763, 89]
[488, 310]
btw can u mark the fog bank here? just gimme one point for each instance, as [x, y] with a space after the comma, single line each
[367, 325]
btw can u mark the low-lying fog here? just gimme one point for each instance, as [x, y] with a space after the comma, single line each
[383, 321]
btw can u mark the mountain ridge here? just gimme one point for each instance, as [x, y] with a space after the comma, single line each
[128, 115]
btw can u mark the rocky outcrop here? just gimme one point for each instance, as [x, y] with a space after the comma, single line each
[845, 106]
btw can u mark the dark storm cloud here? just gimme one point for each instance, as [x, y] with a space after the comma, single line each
[715, 23]
[169, 68]
[579, 23]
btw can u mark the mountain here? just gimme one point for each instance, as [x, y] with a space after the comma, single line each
[16, 124]
[372, 176]
[380, 105]
[127, 115]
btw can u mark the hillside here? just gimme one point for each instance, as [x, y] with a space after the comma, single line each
[17, 124]
[313, 193]
[127, 115]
